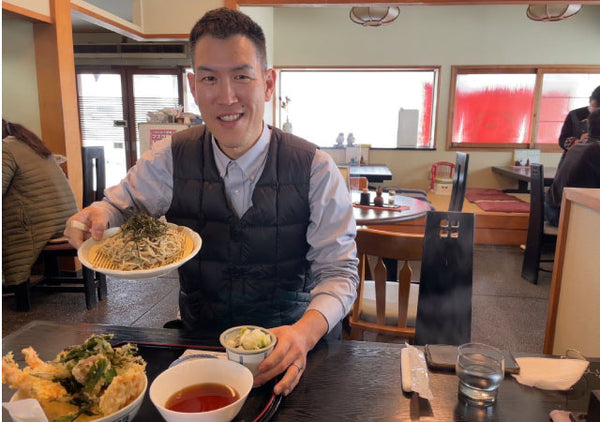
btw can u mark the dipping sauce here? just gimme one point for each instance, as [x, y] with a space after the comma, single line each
[202, 398]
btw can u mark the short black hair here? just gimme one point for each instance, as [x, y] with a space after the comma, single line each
[594, 124]
[223, 23]
[596, 95]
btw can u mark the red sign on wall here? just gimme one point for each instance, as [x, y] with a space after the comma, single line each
[158, 134]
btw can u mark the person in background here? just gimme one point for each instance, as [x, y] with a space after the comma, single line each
[580, 168]
[273, 211]
[37, 200]
[574, 128]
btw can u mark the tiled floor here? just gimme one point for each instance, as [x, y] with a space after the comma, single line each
[508, 312]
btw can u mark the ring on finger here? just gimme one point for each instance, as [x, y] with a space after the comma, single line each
[79, 225]
[298, 367]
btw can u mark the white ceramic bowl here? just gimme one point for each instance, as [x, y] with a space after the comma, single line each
[125, 414]
[249, 358]
[200, 371]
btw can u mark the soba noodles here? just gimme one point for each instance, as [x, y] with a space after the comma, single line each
[142, 243]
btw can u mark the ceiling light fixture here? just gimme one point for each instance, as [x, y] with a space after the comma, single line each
[374, 16]
[552, 12]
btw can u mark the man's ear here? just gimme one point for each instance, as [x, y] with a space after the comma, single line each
[192, 83]
[270, 78]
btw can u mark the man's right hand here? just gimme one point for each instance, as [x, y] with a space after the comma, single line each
[89, 221]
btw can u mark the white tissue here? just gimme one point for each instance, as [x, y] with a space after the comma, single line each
[26, 410]
[550, 374]
[415, 376]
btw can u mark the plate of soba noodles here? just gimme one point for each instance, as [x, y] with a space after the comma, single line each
[143, 247]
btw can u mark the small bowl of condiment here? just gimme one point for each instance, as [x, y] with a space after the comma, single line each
[248, 345]
[201, 390]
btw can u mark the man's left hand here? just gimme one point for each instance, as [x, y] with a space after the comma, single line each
[289, 355]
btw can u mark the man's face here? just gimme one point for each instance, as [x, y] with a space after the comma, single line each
[231, 89]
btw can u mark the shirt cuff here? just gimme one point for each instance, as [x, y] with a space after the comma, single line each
[329, 307]
[115, 218]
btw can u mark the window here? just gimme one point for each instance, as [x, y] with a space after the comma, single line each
[517, 106]
[385, 108]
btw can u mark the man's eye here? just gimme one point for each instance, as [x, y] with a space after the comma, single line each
[207, 79]
[242, 78]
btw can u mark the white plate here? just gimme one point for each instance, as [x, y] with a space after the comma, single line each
[84, 252]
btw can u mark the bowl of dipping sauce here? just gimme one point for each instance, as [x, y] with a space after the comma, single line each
[248, 345]
[201, 390]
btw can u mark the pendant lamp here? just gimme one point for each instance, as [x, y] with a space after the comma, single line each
[552, 12]
[374, 16]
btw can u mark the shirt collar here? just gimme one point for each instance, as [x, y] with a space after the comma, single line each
[251, 161]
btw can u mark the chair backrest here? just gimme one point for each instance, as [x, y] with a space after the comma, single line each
[535, 230]
[391, 245]
[459, 182]
[441, 169]
[94, 174]
[359, 183]
[445, 291]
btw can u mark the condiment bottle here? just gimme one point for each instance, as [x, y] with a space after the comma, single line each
[365, 198]
[378, 201]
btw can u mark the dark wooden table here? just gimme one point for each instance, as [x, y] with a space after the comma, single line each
[343, 381]
[386, 215]
[375, 173]
[523, 176]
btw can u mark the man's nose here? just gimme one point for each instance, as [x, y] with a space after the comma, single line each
[226, 92]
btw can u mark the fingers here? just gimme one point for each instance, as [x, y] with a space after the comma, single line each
[86, 221]
[290, 379]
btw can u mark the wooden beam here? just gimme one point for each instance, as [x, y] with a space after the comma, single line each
[234, 4]
[57, 90]
[22, 13]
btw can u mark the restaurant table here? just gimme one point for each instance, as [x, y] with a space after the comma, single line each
[415, 208]
[375, 173]
[523, 176]
[343, 380]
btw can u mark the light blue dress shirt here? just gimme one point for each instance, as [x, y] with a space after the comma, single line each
[148, 187]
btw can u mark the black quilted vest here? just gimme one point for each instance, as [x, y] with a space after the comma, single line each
[253, 269]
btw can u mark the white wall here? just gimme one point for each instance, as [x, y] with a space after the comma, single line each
[174, 16]
[437, 35]
[20, 103]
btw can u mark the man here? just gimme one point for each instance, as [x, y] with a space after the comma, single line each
[574, 128]
[580, 168]
[273, 211]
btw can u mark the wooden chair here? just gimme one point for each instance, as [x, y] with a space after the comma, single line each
[540, 235]
[91, 283]
[386, 307]
[359, 183]
[445, 290]
[459, 182]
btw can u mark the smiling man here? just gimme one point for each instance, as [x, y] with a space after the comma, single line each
[273, 211]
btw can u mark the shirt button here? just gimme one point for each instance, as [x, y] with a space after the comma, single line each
[237, 191]
[252, 178]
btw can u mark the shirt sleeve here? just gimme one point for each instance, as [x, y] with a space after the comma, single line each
[147, 188]
[331, 234]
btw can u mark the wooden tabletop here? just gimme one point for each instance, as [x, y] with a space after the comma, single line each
[522, 174]
[343, 380]
[416, 208]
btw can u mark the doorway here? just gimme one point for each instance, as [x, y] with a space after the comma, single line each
[112, 102]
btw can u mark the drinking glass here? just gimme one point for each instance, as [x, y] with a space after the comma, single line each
[480, 369]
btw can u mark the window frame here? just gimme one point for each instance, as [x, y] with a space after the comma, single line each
[277, 110]
[539, 71]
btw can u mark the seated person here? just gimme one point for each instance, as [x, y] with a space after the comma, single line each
[574, 128]
[580, 168]
[272, 209]
[36, 201]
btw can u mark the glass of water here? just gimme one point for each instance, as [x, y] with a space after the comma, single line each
[480, 369]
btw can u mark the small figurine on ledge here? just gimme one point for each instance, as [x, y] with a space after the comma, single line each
[339, 141]
[350, 140]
